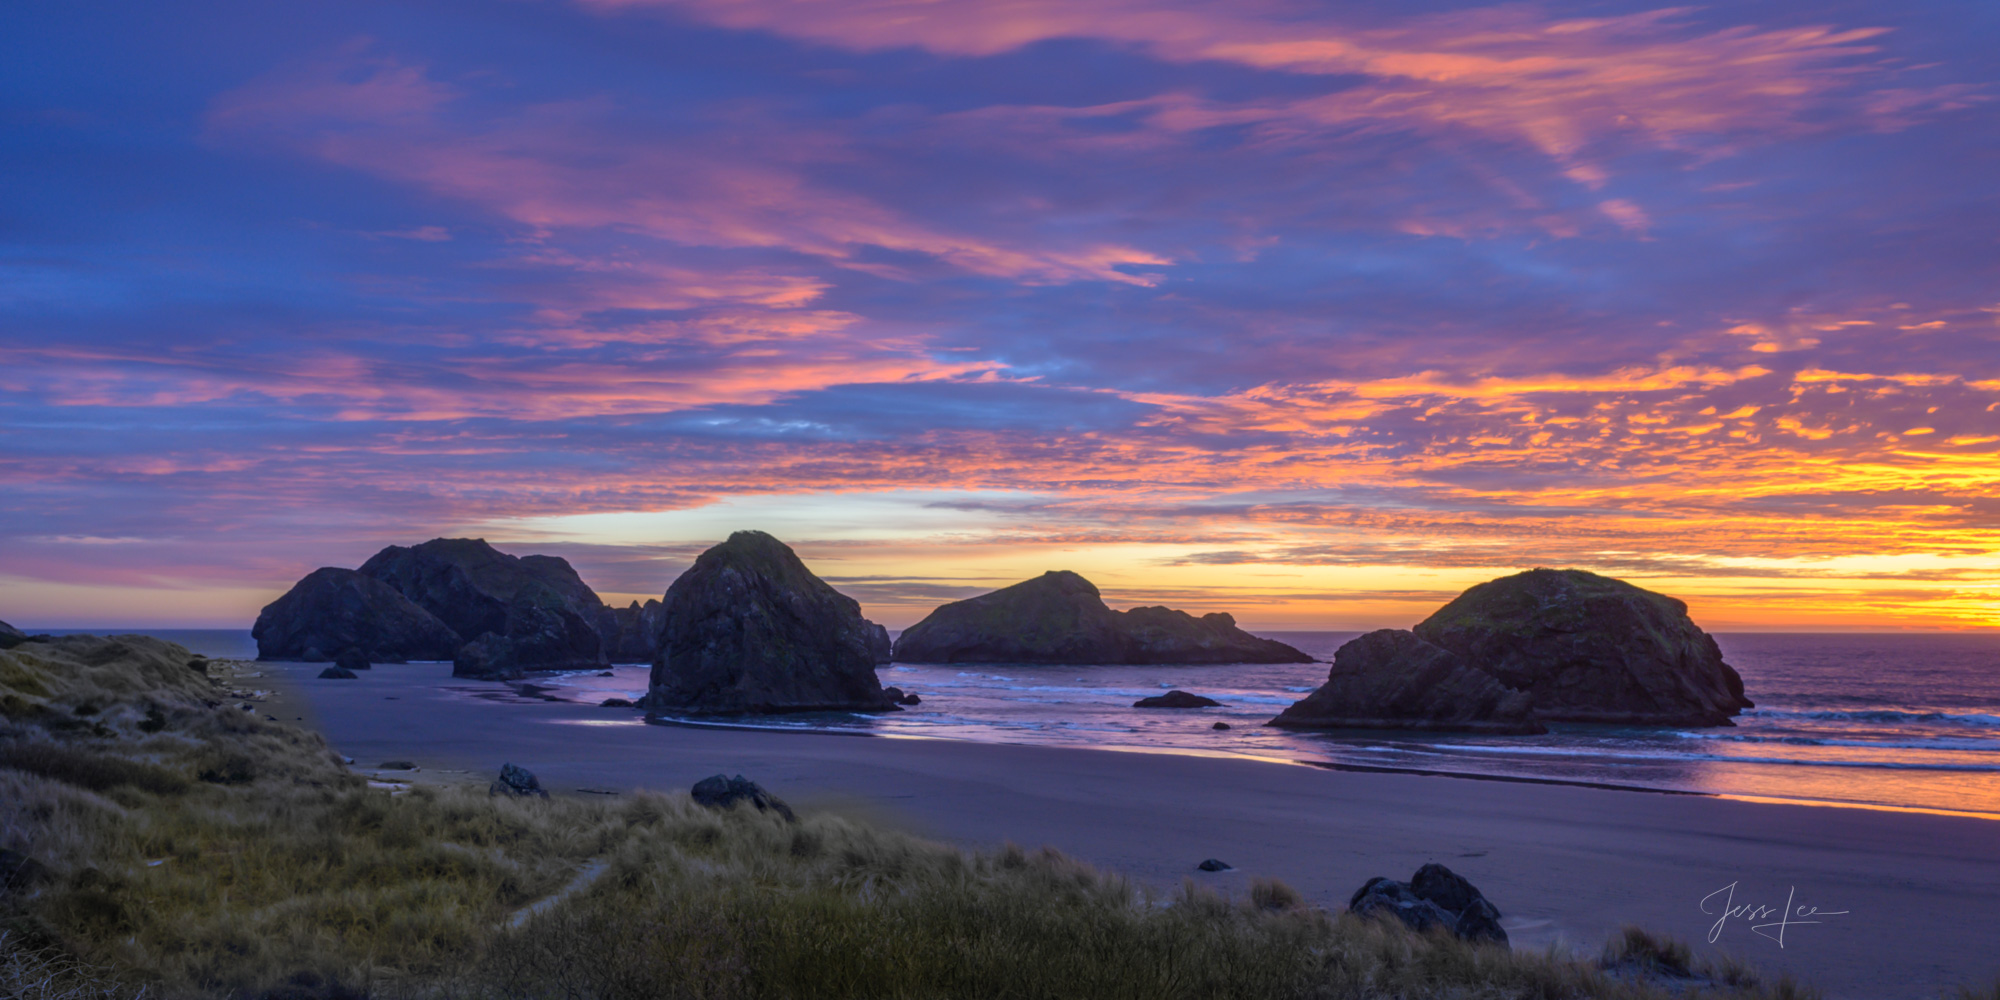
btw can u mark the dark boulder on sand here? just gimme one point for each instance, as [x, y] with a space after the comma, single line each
[721, 792]
[749, 629]
[338, 674]
[1059, 617]
[1383, 897]
[332, 610]
[516, 781]
[11, 636]
[1391, 679]
[537, 603]
[902, 697]
[1588, 648]
[1177, 699]
[1435, 897]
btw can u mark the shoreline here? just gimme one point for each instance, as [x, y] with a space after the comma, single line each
[653, 720]
[1568, 864]
[726, 723]
[1171, 751]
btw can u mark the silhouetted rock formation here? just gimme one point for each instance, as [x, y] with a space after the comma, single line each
[492, 614]
[1177, 699]
[536, 603]
[750, 629]
[334, 610]
[352, 658]
[632, 634]
[1589, 648]
[11, 636]
[489, 657]
[1059, 617]
[1436, 896]
[1542, 646]
[1163, 635]
[338, 674]
[1393, 680]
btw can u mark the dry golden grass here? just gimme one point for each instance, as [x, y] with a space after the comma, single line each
[195, 850]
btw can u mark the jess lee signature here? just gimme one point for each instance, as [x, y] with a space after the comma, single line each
[1775, 919]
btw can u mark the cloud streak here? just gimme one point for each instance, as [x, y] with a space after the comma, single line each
[1309, 315]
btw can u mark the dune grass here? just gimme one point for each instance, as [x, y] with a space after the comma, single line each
[183, 848]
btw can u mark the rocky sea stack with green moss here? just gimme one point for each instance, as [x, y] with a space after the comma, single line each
[1548, 645]
[1391, 679]
[1059, 617]
[749, 629]
[1589, 648]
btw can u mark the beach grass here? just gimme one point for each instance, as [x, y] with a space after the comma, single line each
[169, 844]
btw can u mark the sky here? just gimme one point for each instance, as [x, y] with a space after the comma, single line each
[1316, 313]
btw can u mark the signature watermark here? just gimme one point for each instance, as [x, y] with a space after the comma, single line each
[1776, 919]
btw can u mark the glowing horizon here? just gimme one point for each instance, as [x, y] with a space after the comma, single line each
[1313, 315]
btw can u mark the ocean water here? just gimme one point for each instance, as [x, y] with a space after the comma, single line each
[1895, 721]
[1885, 720]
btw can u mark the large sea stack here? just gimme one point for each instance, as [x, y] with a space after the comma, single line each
[520, 613]
[490, 613]
[749, 629]
[1059, 617]
[1589, 648]
[1542, 646]
[1392, 679]
[333, 611]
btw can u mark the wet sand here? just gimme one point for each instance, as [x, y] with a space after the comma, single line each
[1567, 865]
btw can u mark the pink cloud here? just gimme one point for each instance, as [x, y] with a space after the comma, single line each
[567, 166]
[1560, 85]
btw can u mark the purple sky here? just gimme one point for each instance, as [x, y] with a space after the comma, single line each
[1314, 312]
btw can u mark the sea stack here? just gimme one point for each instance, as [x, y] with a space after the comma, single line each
[749, 629]
[525, 613]
[492, 614]
[333, 611]
[1542, 646]
[1589, 648]
[1060, 618]
[1392, 679]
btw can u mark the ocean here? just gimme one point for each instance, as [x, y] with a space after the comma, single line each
[1898, 721]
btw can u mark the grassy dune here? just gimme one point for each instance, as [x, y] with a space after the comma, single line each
[181, 847]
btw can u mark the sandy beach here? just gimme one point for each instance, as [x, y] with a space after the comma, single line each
[1568, 865]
